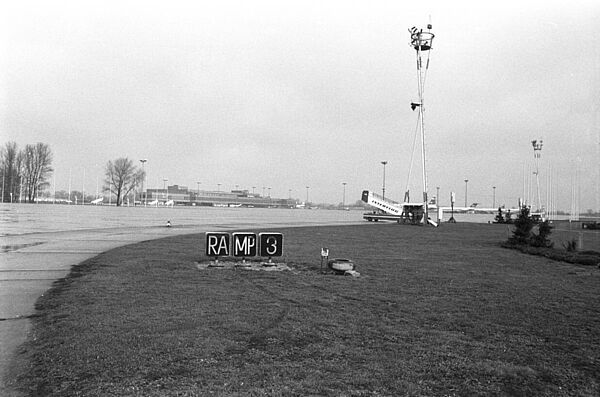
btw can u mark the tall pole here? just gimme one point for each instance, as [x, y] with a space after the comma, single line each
[218, 187]
[69, 186]
[466, 190]
[383, 190]
[307, 194]
[437, 196]
[83, 189]
[143, 161]
[494, 197]
[422, 41]
[537, 153]
[165, 189]
[344, 195]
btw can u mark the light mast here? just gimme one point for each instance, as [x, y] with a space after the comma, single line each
[422, 42]
[537, 153]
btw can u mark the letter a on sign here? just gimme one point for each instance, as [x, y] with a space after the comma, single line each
[271, 244]
[217, 244]
[244, 244]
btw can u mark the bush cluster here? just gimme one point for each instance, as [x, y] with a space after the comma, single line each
[523, 233]
[503, 218]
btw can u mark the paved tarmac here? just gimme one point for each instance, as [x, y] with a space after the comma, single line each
[30, 263]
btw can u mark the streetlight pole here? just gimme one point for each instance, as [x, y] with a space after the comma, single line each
[494, 197]
[344, 195]
[307, 194]
[537, 153]
[466, 184]
[218, 187]
[384, 164]
[437, 196]
[143, 161]
[165, 189]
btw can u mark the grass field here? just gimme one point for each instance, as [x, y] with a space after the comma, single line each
[436, 312]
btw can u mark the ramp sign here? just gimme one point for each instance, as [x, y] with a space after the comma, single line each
[244, 244]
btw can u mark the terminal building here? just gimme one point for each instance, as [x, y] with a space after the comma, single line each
[181, 195]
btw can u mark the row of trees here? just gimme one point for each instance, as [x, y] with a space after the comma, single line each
[25, 172]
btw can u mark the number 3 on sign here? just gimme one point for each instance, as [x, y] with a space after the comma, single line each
[271, 244]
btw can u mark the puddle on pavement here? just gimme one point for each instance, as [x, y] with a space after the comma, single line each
[14, 247]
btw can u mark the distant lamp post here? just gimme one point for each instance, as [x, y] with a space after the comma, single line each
[269, 189]
[494, 197]
[290, 194]
[143, 161]
[437, 202]
[253, 187]
[537, 153]
[165, 188]
[218, 187]
[384, 164]
[344, 195]
[466, 190]
[308, 187]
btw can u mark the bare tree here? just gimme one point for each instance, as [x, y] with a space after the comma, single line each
[122, 177]
[10, 161]
[36, 169]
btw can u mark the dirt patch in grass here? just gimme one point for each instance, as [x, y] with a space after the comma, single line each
[443, 311]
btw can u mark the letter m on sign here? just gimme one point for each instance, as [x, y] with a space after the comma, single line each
[244, 244]
[217, 244]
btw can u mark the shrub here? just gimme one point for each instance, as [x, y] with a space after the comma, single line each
[570, 246]
[499, 217]
[541, 239]
[523, 226]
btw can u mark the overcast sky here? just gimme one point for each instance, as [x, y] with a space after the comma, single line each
[289, 94]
